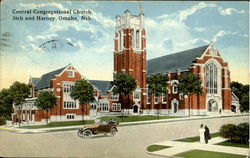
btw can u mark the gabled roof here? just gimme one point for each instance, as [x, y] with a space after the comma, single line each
[45, 79]
[34, 80]
[103, 86]
[174, 62]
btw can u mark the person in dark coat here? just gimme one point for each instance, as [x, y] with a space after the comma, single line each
[207, 134]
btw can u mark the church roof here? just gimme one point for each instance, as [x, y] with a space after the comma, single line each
[174, 62]
[45, 79]
[34, 80]
[103, 86]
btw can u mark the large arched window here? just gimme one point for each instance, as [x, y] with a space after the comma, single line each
[137, 39]
[211, 79]
[132, 37]
[120, 40]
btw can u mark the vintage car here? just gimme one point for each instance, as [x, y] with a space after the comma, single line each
[99, 127]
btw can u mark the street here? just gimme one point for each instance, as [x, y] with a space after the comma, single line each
[130, 141]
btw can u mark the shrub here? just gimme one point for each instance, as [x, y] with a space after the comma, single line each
[236, 134]
[228, 131]
[2, 121]
[242, 133]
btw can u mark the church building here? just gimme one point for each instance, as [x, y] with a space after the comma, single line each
[130, 56]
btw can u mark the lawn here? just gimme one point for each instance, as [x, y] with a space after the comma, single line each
[207, 154]
[59, 124]
[153, 148]
[196, 138]
[119, 119]
[227, 143]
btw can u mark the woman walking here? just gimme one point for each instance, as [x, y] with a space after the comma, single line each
[202, 134]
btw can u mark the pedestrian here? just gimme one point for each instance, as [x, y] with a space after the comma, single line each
[207, 134]
[201, 132]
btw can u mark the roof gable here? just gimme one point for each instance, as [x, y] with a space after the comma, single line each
[45, 79]
[103, 86]
[34, 80]
[174, 62]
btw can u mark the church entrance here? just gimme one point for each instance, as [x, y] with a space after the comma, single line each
[135, 109]
[212, 106]
[175, 105]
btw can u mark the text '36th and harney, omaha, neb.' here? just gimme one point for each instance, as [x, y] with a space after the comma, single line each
[51, 15]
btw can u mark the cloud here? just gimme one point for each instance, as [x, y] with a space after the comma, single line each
[184, 14]
[222, 33]
[35, 6]
[229, 11]
[187, 12]
[199, 29]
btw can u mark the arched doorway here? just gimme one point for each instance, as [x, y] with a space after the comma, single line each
[175, 105]
[212, 106]
[135, 109]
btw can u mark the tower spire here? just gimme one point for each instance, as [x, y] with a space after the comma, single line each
[139, 7]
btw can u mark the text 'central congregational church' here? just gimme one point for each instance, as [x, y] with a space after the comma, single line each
[130, 57]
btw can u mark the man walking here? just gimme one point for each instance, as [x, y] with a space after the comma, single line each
[207, 134]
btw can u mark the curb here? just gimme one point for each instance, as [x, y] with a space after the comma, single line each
[68, 128]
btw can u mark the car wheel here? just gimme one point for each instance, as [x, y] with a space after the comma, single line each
[113, 132]
[87, 134]
[80, 132]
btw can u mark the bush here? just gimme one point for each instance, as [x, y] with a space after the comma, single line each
[228, 131]
[2, 121]
[236, 134]
[242, 133]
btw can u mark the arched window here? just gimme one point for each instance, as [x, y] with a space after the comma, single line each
[132, 38]
[137, 39]
[120, 40]
[211, 79]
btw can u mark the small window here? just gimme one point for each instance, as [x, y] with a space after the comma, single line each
[70, 74]
[137, 96]
[114, 107]
[164, 97]
[181, 96]
[114, 97]
[149, 99]
[156, 99]
[70, 117]
[118, 106]
[175, 89]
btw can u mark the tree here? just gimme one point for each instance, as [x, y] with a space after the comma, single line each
[242, 92]
[190, 84]
[157, 85]
[6, 104]
[84, 92]
[19, 91]
[124, 84]
[46, 101]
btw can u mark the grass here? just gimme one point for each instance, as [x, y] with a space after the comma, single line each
[59, 124]
[153, 148]
[227, 143]
[105, 118]
[121, 119]
[196, 138]
[207, 154]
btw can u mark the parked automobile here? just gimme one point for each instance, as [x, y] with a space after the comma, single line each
[99, 127]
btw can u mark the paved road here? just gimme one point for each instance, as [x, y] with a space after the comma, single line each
[131, 141]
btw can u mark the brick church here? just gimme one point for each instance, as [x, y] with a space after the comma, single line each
[130, 56]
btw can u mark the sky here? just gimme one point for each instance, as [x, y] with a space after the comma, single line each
[35, 47]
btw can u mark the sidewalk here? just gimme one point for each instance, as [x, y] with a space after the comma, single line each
[65, 128]
[180, 147]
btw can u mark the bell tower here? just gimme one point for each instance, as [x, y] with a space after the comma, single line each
[130, 52]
